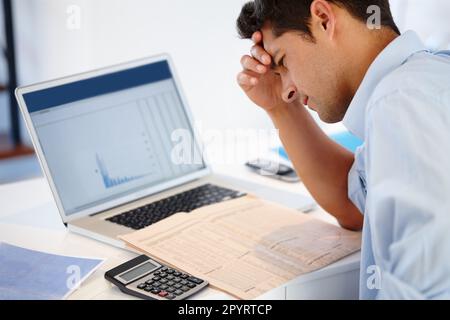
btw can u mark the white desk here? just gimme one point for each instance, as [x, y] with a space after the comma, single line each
[29, 218]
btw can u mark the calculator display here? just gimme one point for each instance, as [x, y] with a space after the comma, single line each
[141, 270]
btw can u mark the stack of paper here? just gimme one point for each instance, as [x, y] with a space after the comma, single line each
[246, 246]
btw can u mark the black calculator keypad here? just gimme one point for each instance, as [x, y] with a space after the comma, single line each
[169, 283]
[155, 291]
[142, 286]
[195, 280]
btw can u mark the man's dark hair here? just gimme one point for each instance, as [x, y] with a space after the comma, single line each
[295, 15]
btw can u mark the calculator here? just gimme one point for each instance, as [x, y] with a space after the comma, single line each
[145, 278]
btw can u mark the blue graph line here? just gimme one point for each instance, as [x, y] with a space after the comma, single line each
[110, 182]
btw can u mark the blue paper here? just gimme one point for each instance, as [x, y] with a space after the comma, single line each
[32, 275]
[345, 139]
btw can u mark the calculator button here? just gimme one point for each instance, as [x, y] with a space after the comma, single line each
[177, 274]
[163, 274]
[170, 283]
[184, 276]
[157, 273]
[148, 288]
[149, 282]
[195, 280]
[170, 271]
[185, 288]
[163, 287]
[177, 286]
[156, 278]
[164, 269]
[142, 286]
[163, 294]
[178, 292]
[155, 291]
[191, 285]
[170, 289]
[163, 281]
[156, 284]
[170, 277]
[176, 280]
[170, 296]
[184, 282]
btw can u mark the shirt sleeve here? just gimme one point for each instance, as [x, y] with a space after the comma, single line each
[357, 181]
[408, 201]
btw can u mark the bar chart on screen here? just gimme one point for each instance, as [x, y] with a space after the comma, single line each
[111, 182]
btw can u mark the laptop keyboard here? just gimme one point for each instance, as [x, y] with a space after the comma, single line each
[182, 202]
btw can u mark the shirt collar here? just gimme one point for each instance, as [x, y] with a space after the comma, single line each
[394, 55]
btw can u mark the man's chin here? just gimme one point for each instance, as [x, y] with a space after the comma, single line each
[328, 118]
[325, 116]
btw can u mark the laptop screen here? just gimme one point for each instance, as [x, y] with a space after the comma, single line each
[112, 135]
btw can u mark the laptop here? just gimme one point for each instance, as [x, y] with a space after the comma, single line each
[107, 141]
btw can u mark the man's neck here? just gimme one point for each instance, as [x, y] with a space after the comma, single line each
[364, 54]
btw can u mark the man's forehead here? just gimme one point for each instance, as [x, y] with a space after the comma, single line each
[270, 43]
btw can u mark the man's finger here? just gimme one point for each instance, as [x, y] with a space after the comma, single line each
[261, 55]
[257, 37]
[248, 63]
[246, 80]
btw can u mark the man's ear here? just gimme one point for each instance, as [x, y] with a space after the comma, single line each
[323, 18]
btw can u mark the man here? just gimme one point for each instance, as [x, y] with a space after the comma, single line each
[389, 91]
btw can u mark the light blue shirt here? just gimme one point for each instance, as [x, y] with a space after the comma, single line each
[400, 179]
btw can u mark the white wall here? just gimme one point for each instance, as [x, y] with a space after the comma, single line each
[429, 18]
[199, 34]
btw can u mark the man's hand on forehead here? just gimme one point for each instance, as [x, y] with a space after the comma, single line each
[257, 78]
[258, 51]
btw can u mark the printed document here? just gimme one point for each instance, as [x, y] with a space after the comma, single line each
[245, 246]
